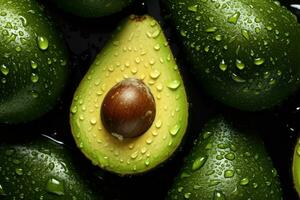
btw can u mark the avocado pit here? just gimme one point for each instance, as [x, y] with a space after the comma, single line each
[128, 109]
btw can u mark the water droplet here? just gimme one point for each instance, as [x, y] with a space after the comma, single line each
[230, 156]
[154, 74]
[4, 69]
[134, 155]
[42, 42]
[246, 34]
[244, 181]
[19, 171]
[173, 131]
[237, 78]
[34, 78]
[239, 64]
[259, 61]
[74, 109]
[158, 124]
[193, 8]
[156, 47]
[174, 84]
[199, 162]
[214, 183]
[228, 173]
[55, 186]
[218, 196]
[93, 121]
[187, 195]
[223, 66]
[218, 38]
[234, 18]
[207, 134]
[33, 64]
[18, 49]
[211, 29]
[2, 193]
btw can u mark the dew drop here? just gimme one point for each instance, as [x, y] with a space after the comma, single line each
[223, 66]
[193, 8]
[259, 61]
[174, 84]
[218, 196]
[33, 64]
[211, 29]
[34, 78]
[19, 171]
[173, 131]
[42, 43]
[55, 186]
[239, 64]
[234, 18]
[198, 163]
[230, 156]
[228, 173]
[244, 181]
[154, 74]
[4, 69]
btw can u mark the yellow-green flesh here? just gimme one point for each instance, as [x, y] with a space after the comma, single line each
[138, 49]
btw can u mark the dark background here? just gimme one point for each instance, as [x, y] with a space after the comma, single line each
[85, 38]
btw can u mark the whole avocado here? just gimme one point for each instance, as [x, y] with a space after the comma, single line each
[33, 62]
[41, 169]
[244, 52]
[227, 162]
[92, 8]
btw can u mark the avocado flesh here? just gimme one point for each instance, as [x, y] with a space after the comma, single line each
[226, 163]
[33, 68]
[92, 8]
[296, 168]
[242, 56]
[41, 169]
[138, 49]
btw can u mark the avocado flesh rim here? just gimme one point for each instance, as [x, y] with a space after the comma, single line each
[296, 169]
[138, 49]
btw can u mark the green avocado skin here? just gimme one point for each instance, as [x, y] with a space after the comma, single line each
[33, 61]
[92, 8]
[41, 169]
[244, 52]
[226, 163]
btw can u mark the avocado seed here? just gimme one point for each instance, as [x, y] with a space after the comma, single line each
[128, 109]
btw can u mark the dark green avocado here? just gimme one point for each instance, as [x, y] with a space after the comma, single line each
[92, 8]
[33, 61]
[41, 169]
[244, 52]
[227, 162]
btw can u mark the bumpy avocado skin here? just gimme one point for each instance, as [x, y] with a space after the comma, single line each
[31, 77]
[244, 52]
[296, 167]
[41, 169]
[226, 163]
[92, 8]
[138, 49]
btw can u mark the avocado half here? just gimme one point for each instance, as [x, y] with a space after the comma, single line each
[139, 51]
[41, 168]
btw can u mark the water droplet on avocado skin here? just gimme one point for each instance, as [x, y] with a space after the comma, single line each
[43, 43]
